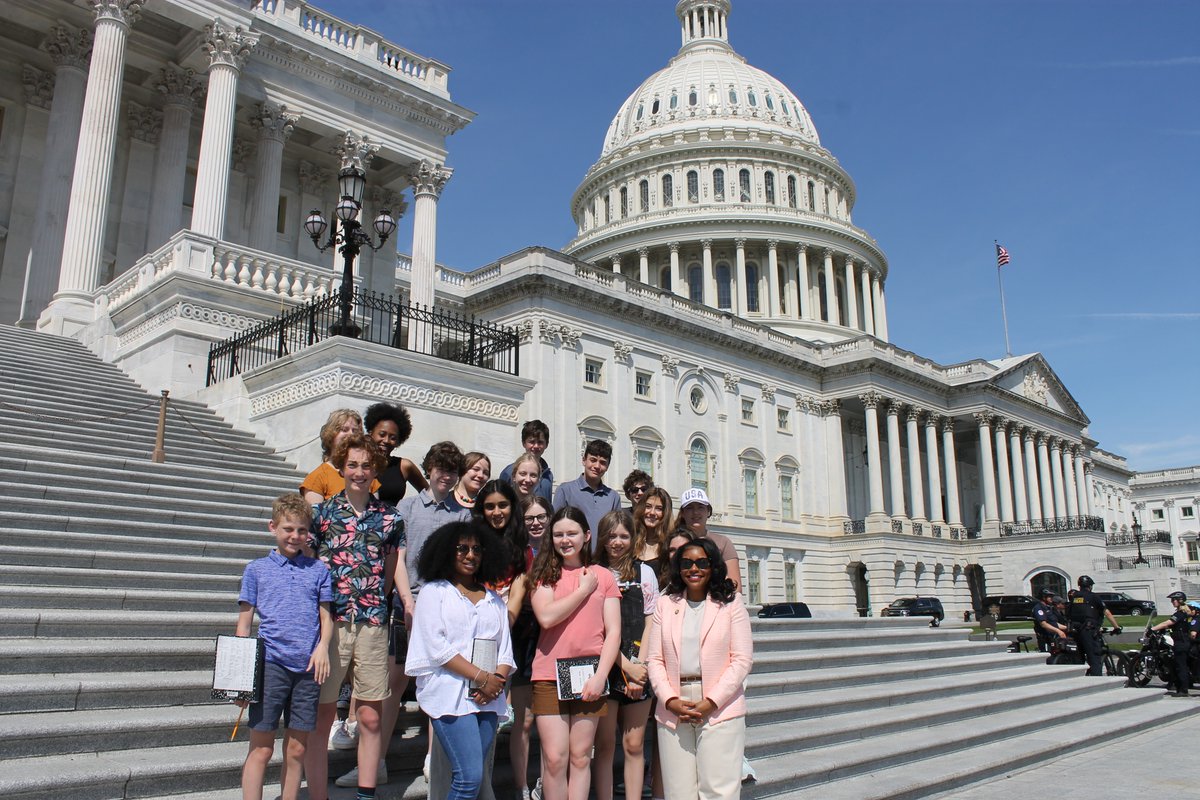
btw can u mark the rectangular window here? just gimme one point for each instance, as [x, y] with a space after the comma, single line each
[747, 410]
[787, 507]
[1156, 513]
[1193, 550]
[281, 215]
[789, 581]
[593, 372]
[624, 202]
[607, 209]
[753, 579]
[645, 461]
[783, 419]
[750, 481]
[641, 384]
[1187, 512]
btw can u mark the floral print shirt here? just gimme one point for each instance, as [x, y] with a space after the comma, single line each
[356, 549]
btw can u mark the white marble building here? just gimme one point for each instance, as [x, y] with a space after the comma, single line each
[718, 316]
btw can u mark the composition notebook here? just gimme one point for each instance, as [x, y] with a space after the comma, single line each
[238, 669]
[573, 673]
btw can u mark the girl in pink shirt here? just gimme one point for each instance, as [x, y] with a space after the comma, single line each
[579, 609]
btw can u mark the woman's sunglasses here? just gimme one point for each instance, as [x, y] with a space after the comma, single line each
[463, 549]
[698, 563]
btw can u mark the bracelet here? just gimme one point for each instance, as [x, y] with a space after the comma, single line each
[501, 677]
[475, 680]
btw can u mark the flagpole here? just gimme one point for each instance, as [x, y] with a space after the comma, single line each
[1003, 310]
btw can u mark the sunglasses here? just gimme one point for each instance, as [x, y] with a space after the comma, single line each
[463, 549]
[639, 489]
[536, 518]
[698, 563]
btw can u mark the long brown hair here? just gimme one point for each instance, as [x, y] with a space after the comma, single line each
[547, 567]
[626, 567]
[662, 532]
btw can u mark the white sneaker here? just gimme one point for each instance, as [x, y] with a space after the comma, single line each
[345, 736]
[536, 792]
[748, 775]
[425, 769]
[351, 777]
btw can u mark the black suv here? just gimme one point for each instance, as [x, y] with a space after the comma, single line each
[1012, 606]
[1121, 603]
[784, 610]
[915, 607]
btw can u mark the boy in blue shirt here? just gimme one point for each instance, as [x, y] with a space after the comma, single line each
[291, 593]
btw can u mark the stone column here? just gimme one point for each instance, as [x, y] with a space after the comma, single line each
[772, 278]
[831, 301]
[427, 183]
[1020, 502]
[181, 91]
[69, 50]
[616, 264]
[870, 401]
[868, 306]
[142, 126]
[677, 282]
[741, 285]
[1087, 468]
[709, 277]
[1043, 455]
[806, 311]
[881, 327]
[91, 183]
[836, 464]
[275, 124]
[931, 460]
[987, 469]
[644, 264]
[1002, 473]
[1036, 510]
[790, 289]
[954, 510]
[851, 295]
[1068, 471]
[315, 185]
[916, 489]
[895, 465]
[227, 49]
[1056, 475]
[877, 307]
[1083, 495]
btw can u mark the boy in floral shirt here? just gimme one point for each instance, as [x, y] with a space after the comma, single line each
[360, 538]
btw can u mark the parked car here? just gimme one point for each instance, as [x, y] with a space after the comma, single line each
[771, 610]
[1121, 603]
[915, 607]
[1012, 606]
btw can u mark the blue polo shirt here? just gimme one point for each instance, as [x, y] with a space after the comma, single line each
[594, 503]
[286, 593]
[422, 516]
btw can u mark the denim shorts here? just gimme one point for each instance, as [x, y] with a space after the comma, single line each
[292, 695]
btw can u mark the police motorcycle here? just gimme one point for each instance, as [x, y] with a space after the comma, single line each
[1154, 660]
[1068, 651]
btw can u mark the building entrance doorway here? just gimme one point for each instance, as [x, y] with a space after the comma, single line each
[861, 583]
[1048, 580]
[977, 583]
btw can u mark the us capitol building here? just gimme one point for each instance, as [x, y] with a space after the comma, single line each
[718, 317]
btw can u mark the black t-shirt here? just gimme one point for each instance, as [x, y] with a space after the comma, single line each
[1179, 630]
[392, 483]
[1085, 608]
[1044, 613]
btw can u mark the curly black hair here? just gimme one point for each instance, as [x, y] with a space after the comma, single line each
[379, 412]
[436, 562]
[720, 587]
[514, 538]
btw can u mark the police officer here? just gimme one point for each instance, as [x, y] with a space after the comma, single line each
[1047, 625]
[1193, 608]
[1086, 612]
[1180, 642]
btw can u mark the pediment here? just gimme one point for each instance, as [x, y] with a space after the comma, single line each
[1032, 378]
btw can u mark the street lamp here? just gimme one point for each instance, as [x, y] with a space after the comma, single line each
[352, 181]
[1137, 537]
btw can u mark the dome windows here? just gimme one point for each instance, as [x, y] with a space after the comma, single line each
[624, 202]
[668, 191]
[641, 109]
[693, 186]
[719, 184]
[724, 287]
[744, 185]
[644, 195]
[769, 101]
[654, 107]
[674, 102]
[712, 96]
[769, 187]
[791, 191]
[812, 196]
[733, 100]
[783, 104]
[752, 288]
[693, 98]
[695, 281]
[752, 98]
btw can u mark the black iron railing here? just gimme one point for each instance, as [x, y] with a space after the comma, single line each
[918, 529]
[854, 526]
[1148, 537]
[1056, 525]
[1131, 563]
[379, 318]
[936, 530]
[897, 526]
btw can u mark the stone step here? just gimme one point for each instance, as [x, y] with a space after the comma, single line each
[787, 640]
[81, 623]
[841, 623]
[88, 488]
[59, 597]
[104, 512]
[20, 694]
[857, 654]
[929, 777]
[114, 560]
[145, 537]
[31, 657]
[57, 575]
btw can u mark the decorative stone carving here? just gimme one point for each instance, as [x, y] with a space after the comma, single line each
[313, 179]
[144, 123]
[382, 198]
[525, 330]
[225, 45]
[1028, 435]
[564, 333]
[240, 155]
[831, 408]
[673, 246]
[622, 351]
[179, 87]
[731, 382]
[430, 178]
[38, 86]
[768, 393]
[669, 365]
[893, 408]
[68, 47]
[983, 418]
[871, 399]
[356, 151]
[914, 413]
[273, 121]
[947, 424]
[1169, 502]
[1139, 506]
[1035, 386]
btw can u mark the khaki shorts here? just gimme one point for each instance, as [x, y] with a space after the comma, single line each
[546, 703]
[362, 650]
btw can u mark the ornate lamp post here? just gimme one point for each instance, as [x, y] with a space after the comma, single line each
[1137, 537]
[352, 181]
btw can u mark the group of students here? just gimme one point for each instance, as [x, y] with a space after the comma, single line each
[577, 616]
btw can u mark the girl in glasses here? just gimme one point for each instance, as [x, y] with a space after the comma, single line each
[698, 656]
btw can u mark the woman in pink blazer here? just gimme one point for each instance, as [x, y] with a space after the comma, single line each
[698, 656]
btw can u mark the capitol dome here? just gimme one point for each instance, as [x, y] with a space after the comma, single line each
[712, 183]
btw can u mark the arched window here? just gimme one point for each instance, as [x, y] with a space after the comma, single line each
[693, 186]
[769, 187]
[826, 200]
[698, 464]
[607, 209]
[752, 98]
[732, 96]
[641, 108]
[668, 191]
[724, 286]
[719, 184]
[674, 104]
[624, 202]
[784, 105]
[822, 296]
[744, 184]
[654, 106]
[752, 287]
[812, 196]
[1048, 580]
[695, 279]
[693, 98]
[664, 278]
[644, 195]
[770, 102]
[791, 190]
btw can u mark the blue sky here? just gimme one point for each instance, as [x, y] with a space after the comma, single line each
[1067, 129]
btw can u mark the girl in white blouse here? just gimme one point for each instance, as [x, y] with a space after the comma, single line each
[457, 617]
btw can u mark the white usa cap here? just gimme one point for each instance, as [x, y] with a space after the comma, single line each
[694, 496]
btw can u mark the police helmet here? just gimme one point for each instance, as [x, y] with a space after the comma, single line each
[1085, 582]
[1180, 596]
[1046, 593]
[1057, 599]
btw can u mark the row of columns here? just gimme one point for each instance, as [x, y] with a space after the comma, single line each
[1018, 484]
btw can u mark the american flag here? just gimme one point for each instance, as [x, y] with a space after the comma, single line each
[1001, 255]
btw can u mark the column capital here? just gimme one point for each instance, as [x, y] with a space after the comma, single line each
[179, 87]
[772, 244]
[144, 123]
[384, 199]
[915, 413]
[801, 248]
[673, 246]
[314, 179]
[123, 11]
[831, 408]
[947, 424]
[273, 121]
[849, 260]
[1088, 466]
[68, 47]
[1041, 438]
[983, 418]
[1001, 423]
[871, 399]
[828, 253]
[227, 46]
[643, 252]
[932, 419]
[706, 244]
[430, 178]
[356, 151]
[38, 86]
[894, 407]
[1056, 443]
[1028, 435]
[740, 244]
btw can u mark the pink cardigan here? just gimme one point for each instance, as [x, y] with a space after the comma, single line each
[726, 655]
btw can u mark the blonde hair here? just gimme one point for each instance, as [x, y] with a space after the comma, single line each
[291, 505]
[526, 458]
[333, 426]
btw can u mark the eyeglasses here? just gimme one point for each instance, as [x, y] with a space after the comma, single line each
[463, 549]
[698, 563]
[536, 518]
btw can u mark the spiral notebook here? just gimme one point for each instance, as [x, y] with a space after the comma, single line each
[238, 669]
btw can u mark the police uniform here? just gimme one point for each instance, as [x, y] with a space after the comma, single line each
[1086, 611]
[1044, 612]
[1194, 651]
[1181, 645]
